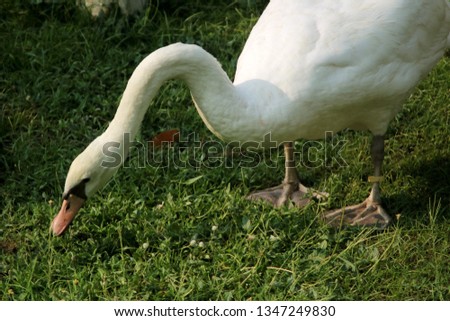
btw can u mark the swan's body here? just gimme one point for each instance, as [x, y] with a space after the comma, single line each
[308, 67]
[331, 58]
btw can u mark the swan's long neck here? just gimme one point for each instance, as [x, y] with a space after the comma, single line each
[217, 100]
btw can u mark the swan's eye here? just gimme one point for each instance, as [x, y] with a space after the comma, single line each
[80, 189]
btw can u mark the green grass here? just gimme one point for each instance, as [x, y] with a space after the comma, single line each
[160, 234]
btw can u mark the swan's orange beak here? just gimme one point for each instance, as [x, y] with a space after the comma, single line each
[69, 209]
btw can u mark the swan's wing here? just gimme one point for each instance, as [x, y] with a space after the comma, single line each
[332, 58]
[328, 46]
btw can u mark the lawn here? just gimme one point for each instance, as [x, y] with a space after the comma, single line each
[183, 230]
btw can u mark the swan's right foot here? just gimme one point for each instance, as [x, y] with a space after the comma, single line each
[366, 214]
[370, 212]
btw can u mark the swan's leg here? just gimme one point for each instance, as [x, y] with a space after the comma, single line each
[370, 212]
[291, 190]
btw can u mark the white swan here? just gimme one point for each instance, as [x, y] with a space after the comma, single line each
[309, 66]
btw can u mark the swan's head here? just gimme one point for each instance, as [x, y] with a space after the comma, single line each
[89, 171]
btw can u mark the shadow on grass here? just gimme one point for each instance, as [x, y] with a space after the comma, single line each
[433, 177]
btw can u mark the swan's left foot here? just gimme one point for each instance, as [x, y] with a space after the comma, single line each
[285, 194]
[368, 213]
[291, 191]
